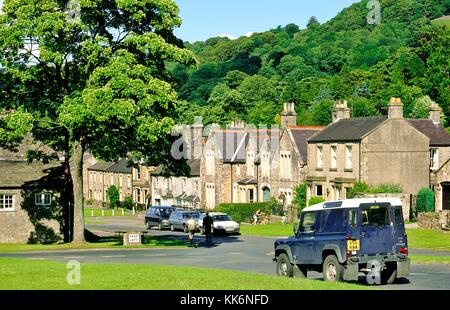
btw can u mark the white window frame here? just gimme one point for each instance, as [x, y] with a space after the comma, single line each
[3, 202]
[434, 159]
[286, 165]
[348, 157]
[40, 199]
[265, 165]
[129, 181]
[210, 163]
[251, 164]
[333, 151]
[120, 181]
[319, 155]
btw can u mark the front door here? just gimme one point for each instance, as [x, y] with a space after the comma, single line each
[376, 231]
[304, 247]
[445, 196]
[266, 194]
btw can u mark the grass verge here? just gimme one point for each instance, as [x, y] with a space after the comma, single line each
[92, 212]
[428, 259]
[20, 274]
[269, 230]
[100, 243]
[435, 240]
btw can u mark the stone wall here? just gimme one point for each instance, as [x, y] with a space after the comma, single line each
[429, 220]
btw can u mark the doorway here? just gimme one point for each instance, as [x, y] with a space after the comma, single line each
[446, 196]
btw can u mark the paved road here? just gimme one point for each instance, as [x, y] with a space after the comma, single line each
[243, 253]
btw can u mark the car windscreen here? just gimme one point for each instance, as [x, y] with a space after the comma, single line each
[188, 215]
[374, 215]
[221, 218]
[164, 213]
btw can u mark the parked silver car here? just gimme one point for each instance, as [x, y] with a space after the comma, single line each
[178, 219]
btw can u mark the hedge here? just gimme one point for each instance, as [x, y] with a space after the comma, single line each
[243, 212]
[425, 200]
[315, 200]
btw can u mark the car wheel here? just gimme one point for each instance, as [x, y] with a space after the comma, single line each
[333, 271]
[160, 226]
[389, 275]
[185, 228]
[284, 266]
[172, 228]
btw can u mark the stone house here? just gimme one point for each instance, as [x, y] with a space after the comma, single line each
[180, 191]
[375, 150]
[104, 174]
[242, 164]
[31, 202]
[141, 184]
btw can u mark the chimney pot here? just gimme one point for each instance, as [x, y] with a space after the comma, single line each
[395, 108]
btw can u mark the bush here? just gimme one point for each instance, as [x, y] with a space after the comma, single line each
[275, 206]
[90, 201]
[361, 187]
[128, 202]
[425, 200]
[300, 196]
[113, 196]
[315, 200]
[243, 212]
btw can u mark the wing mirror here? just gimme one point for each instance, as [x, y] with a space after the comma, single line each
[295, 229]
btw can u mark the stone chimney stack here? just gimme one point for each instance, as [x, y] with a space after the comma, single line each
[237, 124]
[288, 116]
[435, 113]
[340, 110]
[395, 108]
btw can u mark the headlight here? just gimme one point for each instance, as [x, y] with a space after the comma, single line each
[165, 221]
[220, 227]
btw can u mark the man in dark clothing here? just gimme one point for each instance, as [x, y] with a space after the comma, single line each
[207, 226]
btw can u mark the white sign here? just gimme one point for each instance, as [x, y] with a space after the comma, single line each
[134, 238]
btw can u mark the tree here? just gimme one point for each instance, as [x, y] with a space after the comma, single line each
[312, 23]
[94, 81]
[300, 196]
[421, 107]
[113, 196]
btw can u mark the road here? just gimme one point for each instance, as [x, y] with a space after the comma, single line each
[243, 253]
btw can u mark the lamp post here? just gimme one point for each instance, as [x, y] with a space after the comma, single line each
[257, 163]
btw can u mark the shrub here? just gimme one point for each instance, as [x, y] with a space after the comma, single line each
[357, 188]
[243, 212]
[275, 206]
[315, 200]
[300, 196]
[90, 201]
[128, 202]
[113, 196]
[361, 187]
[425, 200]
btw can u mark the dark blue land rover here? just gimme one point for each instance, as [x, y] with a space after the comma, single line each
[343, 238]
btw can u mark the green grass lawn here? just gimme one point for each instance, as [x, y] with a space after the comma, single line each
[428, 259]
[92, 212]
[101, 243]
[270, 230]
[429, 239]
[442, 22]
[28, 275]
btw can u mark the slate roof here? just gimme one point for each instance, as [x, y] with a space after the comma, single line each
[437, 135]
[194, 164]
[352, 129]
[248, 181]
[301, 135]
[120, 167]
[100, 166]
[20, 174]
[231, 145]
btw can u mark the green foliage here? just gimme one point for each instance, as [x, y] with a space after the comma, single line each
[421, 107]
[243, 212]
[113, 196]
[300, 196]
[315, 200]
[128, 202]
[425, 200]
[363, 188]
[406, 55]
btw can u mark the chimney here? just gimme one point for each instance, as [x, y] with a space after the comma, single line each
[237, 124]
[340, 110]
[435, 113]
[395, 108]
[288, 116]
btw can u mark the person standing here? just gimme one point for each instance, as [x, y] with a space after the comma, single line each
[208, 223]
[192, 227]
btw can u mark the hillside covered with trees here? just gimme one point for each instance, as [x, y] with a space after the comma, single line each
[406, 56]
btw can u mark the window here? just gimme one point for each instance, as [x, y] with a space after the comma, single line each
[287, 193]
[319, 190]
[196, 186]
[286, 165]
[210, 196]
[319, 157]
[120, 181]
[6, 202]
[90, 177]
[250, 164]
[265, 165]
[183, 185]
[333, 157]
[156, 179]
[210, 163]
[352, 218]
[43, 199]
[169, 184]
[337, 192]
[138, 195]
[137, 173]
[374, 215]
[112, 180]
[348, 158]
[308, 222]
[434, 159]
[398, 216]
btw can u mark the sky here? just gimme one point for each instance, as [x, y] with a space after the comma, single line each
[203, 19]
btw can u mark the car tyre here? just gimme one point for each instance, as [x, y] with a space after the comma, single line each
[333, 271]
[284, 266]
[172, 228]
[389, 275]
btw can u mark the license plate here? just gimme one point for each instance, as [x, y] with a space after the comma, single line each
[352, 245]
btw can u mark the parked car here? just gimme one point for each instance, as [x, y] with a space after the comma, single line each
[223, 224]
[343, 238]
[178, 219]
[158, 216]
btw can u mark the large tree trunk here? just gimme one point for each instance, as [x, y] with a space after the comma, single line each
[77, 177]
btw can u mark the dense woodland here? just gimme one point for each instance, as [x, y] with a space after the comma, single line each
[406, 56]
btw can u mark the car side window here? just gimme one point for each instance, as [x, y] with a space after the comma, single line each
[398, 216]
[352, 218]
[308, 222]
